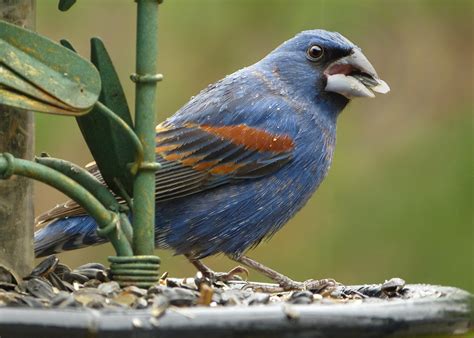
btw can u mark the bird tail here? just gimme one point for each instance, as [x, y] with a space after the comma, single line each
[66, 234]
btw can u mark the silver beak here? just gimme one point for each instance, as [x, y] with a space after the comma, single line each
[354, 76]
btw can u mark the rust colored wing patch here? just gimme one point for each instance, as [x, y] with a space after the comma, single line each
[214, 155]
[252, 138]
[220, 150]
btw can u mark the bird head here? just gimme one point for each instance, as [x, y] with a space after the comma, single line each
[325, 62]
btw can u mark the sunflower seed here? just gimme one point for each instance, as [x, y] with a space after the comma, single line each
[39, 288]
[45, 267]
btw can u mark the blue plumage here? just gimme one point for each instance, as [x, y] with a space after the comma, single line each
[245, 154]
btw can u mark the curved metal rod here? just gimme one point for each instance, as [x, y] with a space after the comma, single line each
[106, 219]
[89, 182]
[129, 131]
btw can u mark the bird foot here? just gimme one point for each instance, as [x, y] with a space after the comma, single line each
[285, 283]
[233, 274]
[213, 276]
[313, 285]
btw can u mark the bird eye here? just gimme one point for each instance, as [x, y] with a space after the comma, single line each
[315, 53]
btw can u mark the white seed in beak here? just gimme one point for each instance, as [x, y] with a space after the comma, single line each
[381, 88]
[347, 86]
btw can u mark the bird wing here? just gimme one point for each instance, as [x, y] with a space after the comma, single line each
[198, 157]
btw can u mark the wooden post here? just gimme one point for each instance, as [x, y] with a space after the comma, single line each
[17, 138]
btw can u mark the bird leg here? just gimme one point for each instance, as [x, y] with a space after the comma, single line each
[285, 282]
[217, 276]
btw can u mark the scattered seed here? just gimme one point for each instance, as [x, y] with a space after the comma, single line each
[40, 288]
[205, 297]
[53, 284]
[45, 267]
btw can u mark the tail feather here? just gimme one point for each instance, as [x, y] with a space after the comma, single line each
[66, 234]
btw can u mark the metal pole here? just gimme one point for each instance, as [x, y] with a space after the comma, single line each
[145, 108]
[17, 137]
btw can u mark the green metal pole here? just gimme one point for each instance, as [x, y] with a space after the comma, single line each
[145, 108]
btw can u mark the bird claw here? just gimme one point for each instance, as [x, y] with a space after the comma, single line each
[313, 285]
[318, 285]
[233, 274]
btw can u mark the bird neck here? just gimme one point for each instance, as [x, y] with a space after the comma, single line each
[329, 105]
[316, 141]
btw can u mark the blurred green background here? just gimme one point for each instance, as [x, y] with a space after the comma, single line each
[398, 199]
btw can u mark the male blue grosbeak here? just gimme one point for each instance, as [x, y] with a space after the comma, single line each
[244, 155]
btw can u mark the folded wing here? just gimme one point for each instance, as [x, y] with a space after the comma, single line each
[199, 157]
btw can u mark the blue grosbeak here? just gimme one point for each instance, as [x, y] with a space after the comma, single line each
[244, 155]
